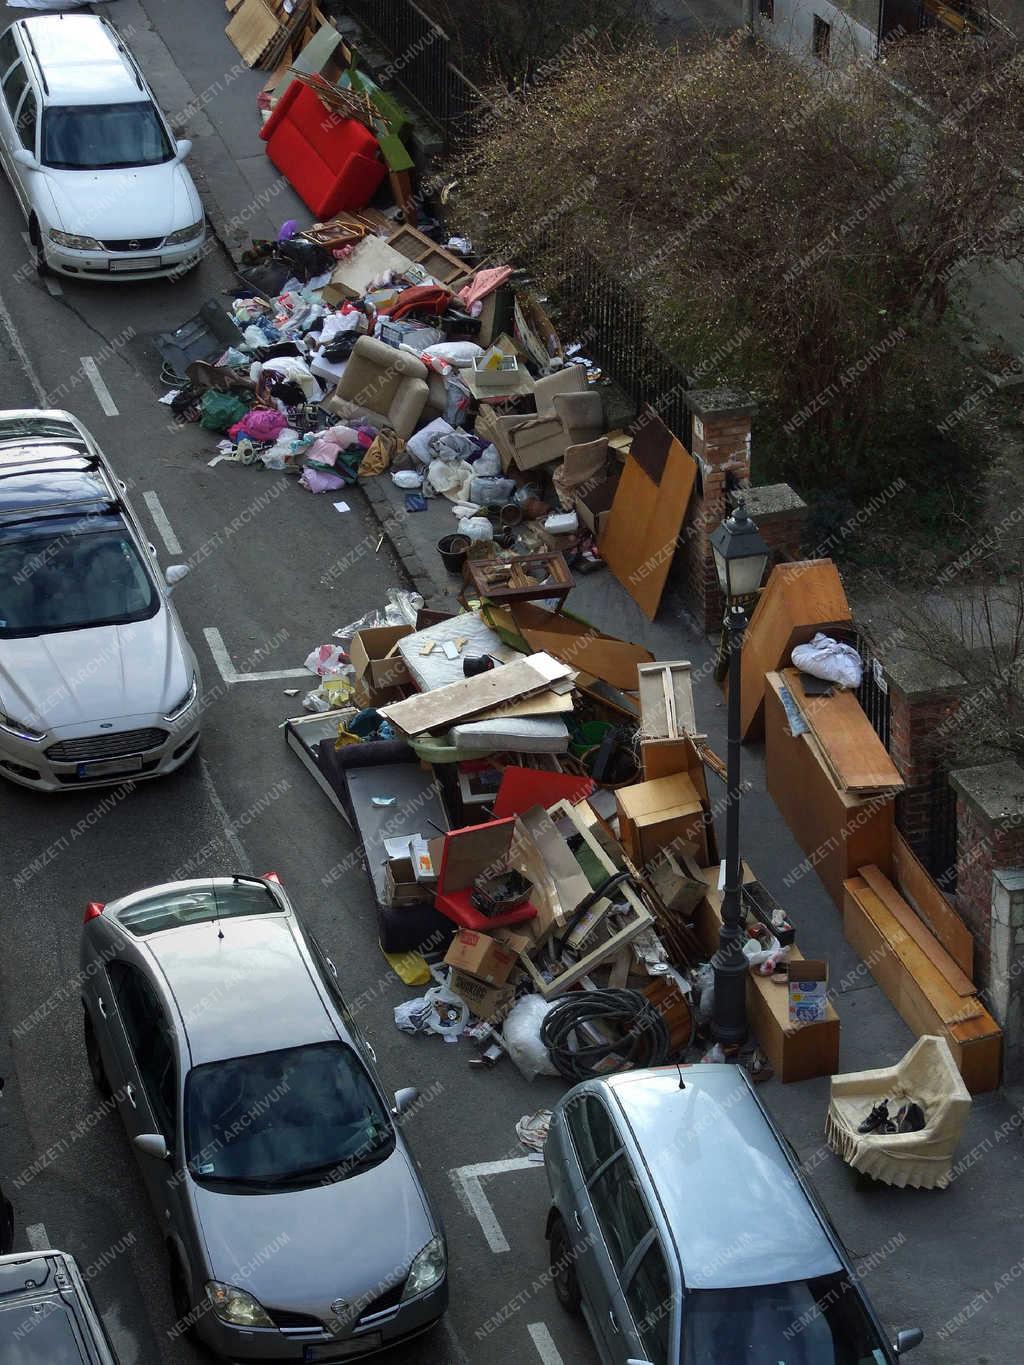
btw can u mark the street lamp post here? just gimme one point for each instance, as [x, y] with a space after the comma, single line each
[740, 558]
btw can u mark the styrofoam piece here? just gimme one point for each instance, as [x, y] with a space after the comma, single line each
[519, 734]
[434, 669]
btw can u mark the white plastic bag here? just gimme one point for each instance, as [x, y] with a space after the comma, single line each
[406, 478]
[327, 661]
[440, 1011]
[487, 462]
[477, 528]
[521, 1032]
[830, 660]
[756, 954]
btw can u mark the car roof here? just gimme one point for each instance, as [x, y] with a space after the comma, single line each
[737, 1211]
[242, 986]
[45, 1288]
[80, 58]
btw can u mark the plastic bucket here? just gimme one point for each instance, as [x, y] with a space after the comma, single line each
[452, 550]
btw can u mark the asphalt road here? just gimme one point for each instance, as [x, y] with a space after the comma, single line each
[260, 547]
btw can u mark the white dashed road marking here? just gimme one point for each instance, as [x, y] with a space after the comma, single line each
[92, 372]
[162, 524]
[18, 346]
[467, 1180]
[222, 659]
[542, 1339]
[37, 1238]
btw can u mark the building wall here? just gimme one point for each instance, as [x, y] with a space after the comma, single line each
[854, 28]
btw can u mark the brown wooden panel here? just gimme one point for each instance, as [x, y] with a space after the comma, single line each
[918, 931]
[856, 756]
[933, 907]
[797, 600]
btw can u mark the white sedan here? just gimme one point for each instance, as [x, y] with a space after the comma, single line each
[97, 681]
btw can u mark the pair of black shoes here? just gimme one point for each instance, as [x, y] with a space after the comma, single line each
[909, 1119]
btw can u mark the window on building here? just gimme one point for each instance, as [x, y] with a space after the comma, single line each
[822, 35]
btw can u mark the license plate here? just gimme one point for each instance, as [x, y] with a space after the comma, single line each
[137, 263]
[110, 767]
[342, 1350]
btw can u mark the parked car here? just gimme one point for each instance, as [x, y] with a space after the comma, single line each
[97, 680]
[293, 1214]
[92, 160]
[682, 1229]
[47, 1314]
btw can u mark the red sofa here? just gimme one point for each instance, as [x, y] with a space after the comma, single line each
[333, 163]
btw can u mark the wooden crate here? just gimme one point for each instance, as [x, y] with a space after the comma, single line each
[838, 832]
[924, 998]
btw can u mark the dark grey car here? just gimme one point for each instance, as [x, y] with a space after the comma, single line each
[291, 1207]
[682, 1230]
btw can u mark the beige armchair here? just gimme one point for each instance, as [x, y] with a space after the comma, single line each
[927, 1074]
[568, 414]
[385, 386]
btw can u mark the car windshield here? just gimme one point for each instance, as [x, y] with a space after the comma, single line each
[69, 573]
[808, 1322]
[300, 1116]
[96, 137]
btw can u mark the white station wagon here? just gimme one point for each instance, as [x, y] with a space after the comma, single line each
[92, 160]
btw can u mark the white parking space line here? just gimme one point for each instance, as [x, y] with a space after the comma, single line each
[542, 1339]
[92, 372]
[37, 1238]
[227, 670]
[162, 524]
[467, 1179]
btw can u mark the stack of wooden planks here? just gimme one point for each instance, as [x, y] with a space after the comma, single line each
[265, 31]
[852, 751]
[926, 984]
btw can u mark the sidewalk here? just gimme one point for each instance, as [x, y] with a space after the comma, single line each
[935, 1252]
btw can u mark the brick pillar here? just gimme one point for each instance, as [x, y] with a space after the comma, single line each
[990, 839]
[1006, 989]
[924, 703]
[779, 513]
[721, 446]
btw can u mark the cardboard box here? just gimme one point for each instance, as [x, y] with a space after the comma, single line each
[808, 991]
[481, 956]
[485, 1001]
[400, 884]
[654, 814]
[594, 506]
[370, 655]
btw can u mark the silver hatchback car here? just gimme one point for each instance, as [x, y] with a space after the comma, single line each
[291, 1207]
[683, 1231]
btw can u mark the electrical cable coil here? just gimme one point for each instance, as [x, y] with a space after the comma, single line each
[642, 1034]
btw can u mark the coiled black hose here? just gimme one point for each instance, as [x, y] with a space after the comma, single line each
[641, 1033]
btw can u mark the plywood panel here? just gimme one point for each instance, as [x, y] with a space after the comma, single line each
[838, 832]
[666, 699]
[647, 516]
[615, 661]
[856, 756]
[446, 706]
[919, 932]
[797, 600]
[933, 907]
[252, 28]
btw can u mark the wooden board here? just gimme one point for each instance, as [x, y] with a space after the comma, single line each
[666, 699]
[976, 1043]
[663, 757]
[252, 29]
[838, 832]
[855, 754]
[918, 931]
[646, 518]
[462, 700]
[947, 1004]
[543, 704]
[798, 600]
[582, 646]
[933, 907]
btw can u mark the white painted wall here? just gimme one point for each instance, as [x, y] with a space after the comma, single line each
[793, 29]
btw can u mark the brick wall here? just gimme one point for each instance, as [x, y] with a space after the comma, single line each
[916, 724]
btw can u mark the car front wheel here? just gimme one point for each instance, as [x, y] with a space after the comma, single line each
[38, 250]
[563, 1267]
[92, 1052]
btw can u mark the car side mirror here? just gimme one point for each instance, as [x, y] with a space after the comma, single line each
[25, 158]
[174, 573]
[182, 148]
[151, 1144]
[907, 1340]
[405, 1099]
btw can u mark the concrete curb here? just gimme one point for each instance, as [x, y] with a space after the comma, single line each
[391, 525]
